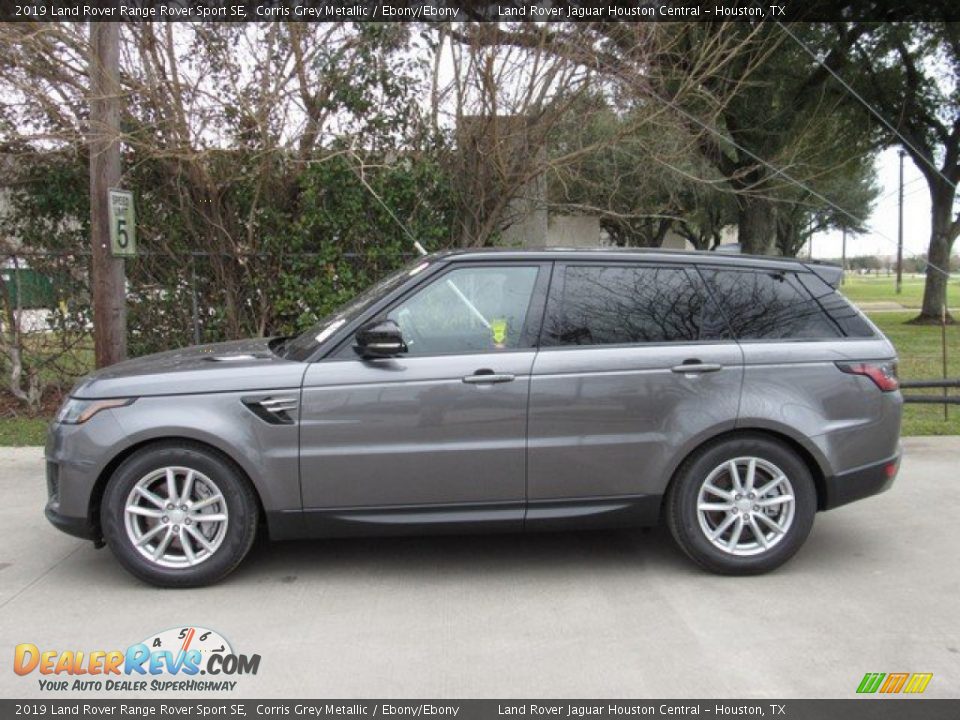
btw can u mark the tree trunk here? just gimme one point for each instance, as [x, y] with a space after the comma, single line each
[756, 225]
[938, 255]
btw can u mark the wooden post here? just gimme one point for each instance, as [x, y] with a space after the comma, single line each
[900, 229]
[943, 344]
[107, 272]
[843, 261]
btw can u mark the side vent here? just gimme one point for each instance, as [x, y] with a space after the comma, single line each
[274, 410]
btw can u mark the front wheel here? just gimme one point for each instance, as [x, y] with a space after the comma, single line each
[178, 515]
[742, 506]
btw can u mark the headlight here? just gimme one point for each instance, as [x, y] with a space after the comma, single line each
[76, 412]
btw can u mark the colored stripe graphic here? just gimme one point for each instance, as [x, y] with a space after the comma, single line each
[918, 682]
[870, 682]
[894, 682]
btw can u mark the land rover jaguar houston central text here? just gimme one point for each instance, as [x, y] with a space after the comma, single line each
[731, 397]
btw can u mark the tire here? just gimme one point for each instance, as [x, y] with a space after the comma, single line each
[205, 535]
[704, 508]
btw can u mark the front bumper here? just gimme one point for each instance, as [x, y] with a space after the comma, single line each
[80, 527]
[76, 455]
[861, 482]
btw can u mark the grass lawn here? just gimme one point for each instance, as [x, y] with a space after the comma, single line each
[871, 288]
[920, 359]
[22, 431]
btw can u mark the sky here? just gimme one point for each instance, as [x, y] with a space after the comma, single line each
[882, 238]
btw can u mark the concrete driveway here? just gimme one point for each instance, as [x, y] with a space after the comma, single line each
[599, 614]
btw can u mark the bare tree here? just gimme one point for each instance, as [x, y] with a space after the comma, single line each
[219, 121]
[573, 78]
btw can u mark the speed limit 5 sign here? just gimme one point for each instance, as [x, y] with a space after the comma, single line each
[123, 223]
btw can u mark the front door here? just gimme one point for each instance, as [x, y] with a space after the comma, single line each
[436, 436]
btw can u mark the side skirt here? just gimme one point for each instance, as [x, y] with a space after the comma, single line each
[545, 515]
[598, 512]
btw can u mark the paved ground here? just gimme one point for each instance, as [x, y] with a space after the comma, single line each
[876, 588]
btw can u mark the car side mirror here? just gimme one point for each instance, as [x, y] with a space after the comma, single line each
[379, 339]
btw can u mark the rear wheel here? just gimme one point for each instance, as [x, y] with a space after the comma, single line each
[742, 506]
[179, 516]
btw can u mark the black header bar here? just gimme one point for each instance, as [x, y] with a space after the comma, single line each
[419, 709]
[472, 10]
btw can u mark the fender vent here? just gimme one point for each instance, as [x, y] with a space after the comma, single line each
[274, 410]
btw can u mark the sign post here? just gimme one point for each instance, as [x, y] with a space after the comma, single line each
[123, 223]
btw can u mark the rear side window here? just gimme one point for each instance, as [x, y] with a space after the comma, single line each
[626, 304]
[836, 306]
[769, 305]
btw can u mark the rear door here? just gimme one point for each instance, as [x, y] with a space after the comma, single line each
[794, 329]
[632, 369]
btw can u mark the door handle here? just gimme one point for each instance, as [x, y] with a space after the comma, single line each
[695, 367]
[488, 377]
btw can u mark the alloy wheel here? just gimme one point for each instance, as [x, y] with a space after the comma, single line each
[176, 517]
[746, 506]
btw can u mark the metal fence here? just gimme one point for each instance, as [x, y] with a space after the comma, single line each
[176, 300]
[945, 399]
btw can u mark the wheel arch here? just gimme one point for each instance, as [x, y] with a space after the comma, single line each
[815, 463]
[96, 495]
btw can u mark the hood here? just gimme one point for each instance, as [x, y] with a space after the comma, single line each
[241, 365]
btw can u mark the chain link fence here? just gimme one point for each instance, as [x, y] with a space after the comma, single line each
[172, 300]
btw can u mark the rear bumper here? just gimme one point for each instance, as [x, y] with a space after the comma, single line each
[861, 482]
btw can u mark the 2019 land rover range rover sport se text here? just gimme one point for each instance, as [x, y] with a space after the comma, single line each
[731, 397]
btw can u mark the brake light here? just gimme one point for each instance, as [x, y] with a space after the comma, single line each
[884, 375]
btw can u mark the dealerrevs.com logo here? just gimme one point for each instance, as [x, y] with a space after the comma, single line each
[172, 660]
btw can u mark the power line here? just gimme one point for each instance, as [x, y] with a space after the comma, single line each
[867, 105]
[782, 173]
[906, 184]
[913, 192]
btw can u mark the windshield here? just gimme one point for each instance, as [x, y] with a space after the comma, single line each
[303, 346]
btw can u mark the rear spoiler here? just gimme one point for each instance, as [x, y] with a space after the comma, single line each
[828, 272]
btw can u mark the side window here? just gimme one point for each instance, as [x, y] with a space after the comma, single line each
[625, 304]
[473, 309]
[836, 306]
[768, 305]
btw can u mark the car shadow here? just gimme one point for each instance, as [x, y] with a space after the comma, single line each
[498, 559]
[511, 554]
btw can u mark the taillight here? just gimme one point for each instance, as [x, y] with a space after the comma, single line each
[883, 374]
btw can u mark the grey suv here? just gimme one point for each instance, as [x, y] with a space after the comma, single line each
[732, 397]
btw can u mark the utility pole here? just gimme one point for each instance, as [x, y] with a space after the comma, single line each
[843, 256]
[900, 230]
[108, 281]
